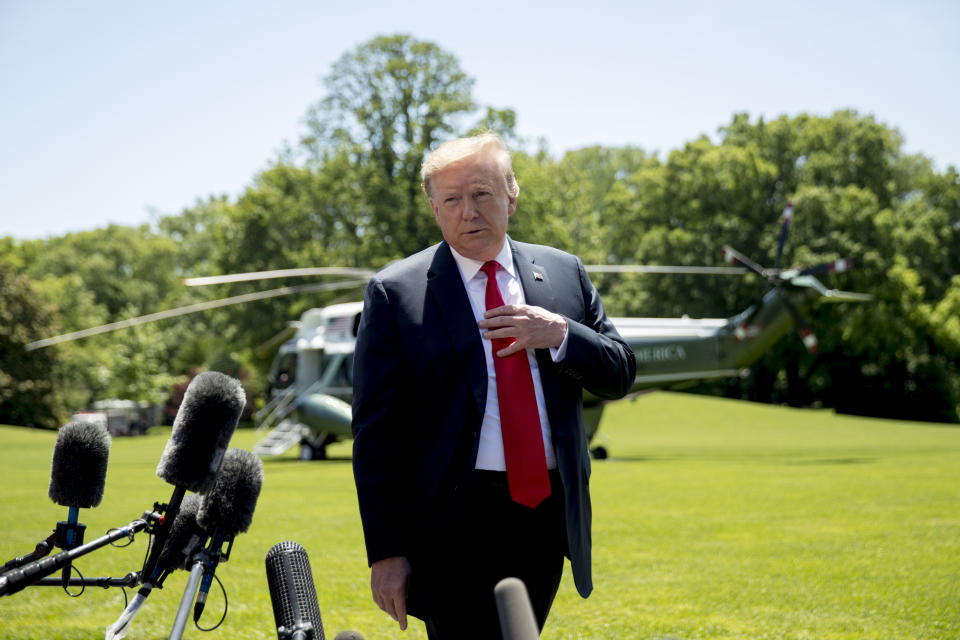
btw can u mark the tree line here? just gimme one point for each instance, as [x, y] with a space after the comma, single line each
[348, 194]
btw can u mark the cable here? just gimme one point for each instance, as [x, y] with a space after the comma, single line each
[83, 587]
[225, 607]
[120, 546]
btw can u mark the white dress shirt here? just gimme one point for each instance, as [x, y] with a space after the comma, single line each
[490, 455]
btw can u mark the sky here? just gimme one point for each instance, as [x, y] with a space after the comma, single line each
[120, 112]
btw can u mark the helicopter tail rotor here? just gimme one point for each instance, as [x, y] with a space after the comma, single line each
[791, 279]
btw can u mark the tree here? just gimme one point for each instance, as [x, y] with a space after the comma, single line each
[26, 378]
[856, 195]
[389, 101]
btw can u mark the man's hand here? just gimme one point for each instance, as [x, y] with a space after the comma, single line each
[388, 582]
[533, 327]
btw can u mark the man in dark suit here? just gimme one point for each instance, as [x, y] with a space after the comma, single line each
[470, 456]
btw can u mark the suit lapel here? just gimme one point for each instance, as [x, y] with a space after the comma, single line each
[445, 285]
[535, 280]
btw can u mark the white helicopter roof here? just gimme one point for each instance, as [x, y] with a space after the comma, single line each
[331, 328]
[328, 328]
[656, 327]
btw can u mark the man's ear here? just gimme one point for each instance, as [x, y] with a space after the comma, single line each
[435, 209]
[511, 205]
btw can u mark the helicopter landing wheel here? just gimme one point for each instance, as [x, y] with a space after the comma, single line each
[311, 452]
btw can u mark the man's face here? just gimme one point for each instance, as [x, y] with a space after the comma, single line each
[470, 202]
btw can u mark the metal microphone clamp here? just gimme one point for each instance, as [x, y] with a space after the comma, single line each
[303, 631]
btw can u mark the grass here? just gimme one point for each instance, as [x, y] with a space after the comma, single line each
[712, 519]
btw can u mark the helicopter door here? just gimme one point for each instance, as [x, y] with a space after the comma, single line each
[283, 373]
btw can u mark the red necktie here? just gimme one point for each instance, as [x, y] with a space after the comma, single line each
[519, 419]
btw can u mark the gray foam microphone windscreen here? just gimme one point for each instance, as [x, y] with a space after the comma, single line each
[229, 505]
[177, 549]
[206, 420]
[78, 470]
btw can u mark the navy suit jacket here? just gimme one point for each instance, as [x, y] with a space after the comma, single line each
[420, 386]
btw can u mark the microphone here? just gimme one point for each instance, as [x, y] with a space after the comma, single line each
[193, 455]
[226, 510]
[229, 505]
[206, 420]
[348, 635]
[186, 537]
[517, 621]
[292, 592]
[78, 473]
[78, 470]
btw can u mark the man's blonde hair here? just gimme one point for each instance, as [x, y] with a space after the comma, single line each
[456, 150]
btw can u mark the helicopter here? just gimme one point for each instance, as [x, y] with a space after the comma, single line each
[310, 381]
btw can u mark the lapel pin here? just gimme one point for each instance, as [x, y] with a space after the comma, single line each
[537, 276]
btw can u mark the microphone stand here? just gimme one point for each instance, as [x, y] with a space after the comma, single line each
[183, 612]
[132, 579]
[205, 564]
[68, 535]
[162, 530]
[119, 628]
[43, 548]
[18, 579]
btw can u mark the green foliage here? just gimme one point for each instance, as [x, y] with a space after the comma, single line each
[137, 367]
[349, 195]
[126, 268]
[856, 195]
[712, 519]
[26, 387]
[388, 102]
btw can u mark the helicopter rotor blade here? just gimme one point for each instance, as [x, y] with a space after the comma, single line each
[281, 336]
[194, 308]
[835, 295]
[635, 268]
[353, 272]
[784, 229]
[807, 337]
[733, 256]
[836, 266]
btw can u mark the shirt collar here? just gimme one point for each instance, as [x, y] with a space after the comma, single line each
[470, 267]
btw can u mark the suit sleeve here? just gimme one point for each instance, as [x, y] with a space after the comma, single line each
[597, 357]
[378, 443]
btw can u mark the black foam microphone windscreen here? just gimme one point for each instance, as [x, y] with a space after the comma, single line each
[206, 420]
[78, 470]
[185, 535]
[517, 621]
[230, 503]
[292, 591]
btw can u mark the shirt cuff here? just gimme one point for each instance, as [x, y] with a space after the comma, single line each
[559, 353]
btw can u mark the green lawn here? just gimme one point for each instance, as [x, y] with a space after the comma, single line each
[712, 519]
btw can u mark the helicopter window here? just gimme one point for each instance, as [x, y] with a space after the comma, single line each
[286, 371]
[343, 377]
